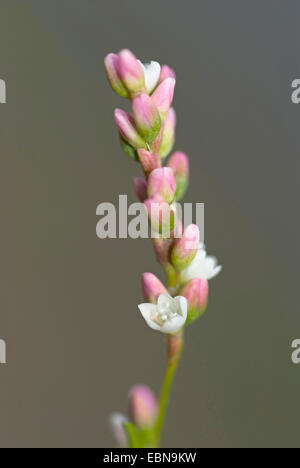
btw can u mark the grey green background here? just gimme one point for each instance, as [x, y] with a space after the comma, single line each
[75, 340]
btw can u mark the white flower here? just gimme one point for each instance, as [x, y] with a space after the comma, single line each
[203, 266]
[116, 421]
[151, 72]
[168, 315]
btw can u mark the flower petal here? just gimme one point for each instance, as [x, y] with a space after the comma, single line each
[151, 73]
[147, 310]
[183, 305]
[173, 325]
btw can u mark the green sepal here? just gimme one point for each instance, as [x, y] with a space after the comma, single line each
[140, 437]
[181, 186]
[128, 149]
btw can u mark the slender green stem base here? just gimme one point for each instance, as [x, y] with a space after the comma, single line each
[175, 345]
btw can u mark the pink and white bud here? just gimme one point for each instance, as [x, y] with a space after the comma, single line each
[168, 134]
[161, 216]
[142, 405]
[163, 96]
[146, 117]
[166, 72]
[185, 248]
[196, 293]
[125, 124]
[162, 182]
[152, 287]
[140, 188]
[179, 162]
[112, 68]
[131, 72]
[148, 161]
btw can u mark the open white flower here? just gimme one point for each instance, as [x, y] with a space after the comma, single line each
[151, 72]
[203, 266]
[168, 315]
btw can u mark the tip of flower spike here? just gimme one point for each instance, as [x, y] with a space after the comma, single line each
[131, 71]
[112, 69]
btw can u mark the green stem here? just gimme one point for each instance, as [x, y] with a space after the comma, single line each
[175, 343]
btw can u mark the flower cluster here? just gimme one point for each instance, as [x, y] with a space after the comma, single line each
[147, 135]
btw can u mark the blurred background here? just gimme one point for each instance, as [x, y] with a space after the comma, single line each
[75, 340]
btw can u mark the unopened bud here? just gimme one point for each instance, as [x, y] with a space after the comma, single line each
[149, 161]
[185, 248]
[146, 117]
[126, 128]
[163, 96]
[196, 293]
[166, 72]
[152, 287]
[168, 134]
[112, 68]
[131, 72]
[142, 405]
[161, 182]
[180, 164]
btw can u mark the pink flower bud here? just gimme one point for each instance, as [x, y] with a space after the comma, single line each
[152, 287]
[196, 293]
[161, 216]
[161, 182]
[140, 188]
[146, 117]
[168, 134]
[131, 72]
[163, 96]
[148, 161]
[185, 248]
[112, 68]
[142, 405]
[179, 162]
[166, 72]
[126, 127]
